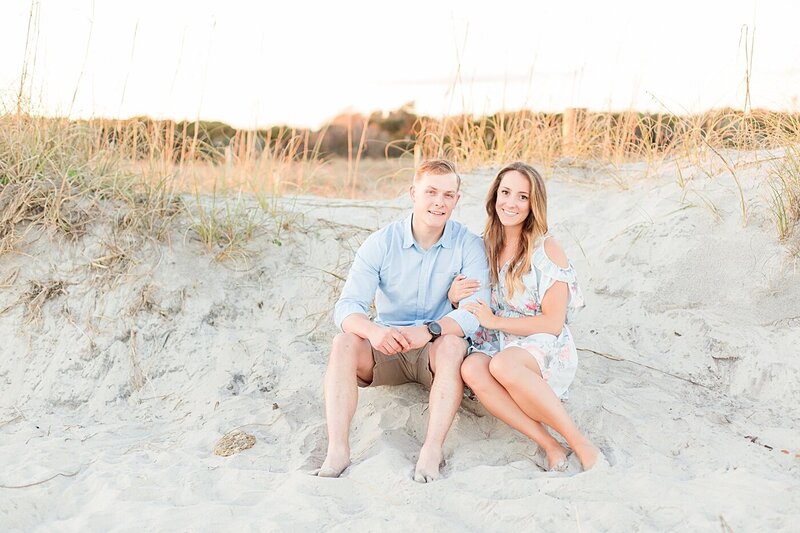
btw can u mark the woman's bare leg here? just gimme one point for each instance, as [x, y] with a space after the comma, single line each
[475, 371]
[518, 372]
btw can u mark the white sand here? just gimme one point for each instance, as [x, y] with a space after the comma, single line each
[124, 385]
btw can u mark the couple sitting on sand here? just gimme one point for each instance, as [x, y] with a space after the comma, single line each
[438, 301]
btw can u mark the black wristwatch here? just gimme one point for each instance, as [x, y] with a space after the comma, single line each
[434, 329]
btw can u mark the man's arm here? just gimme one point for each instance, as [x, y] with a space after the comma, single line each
[388, 340]
[460, 321]
[419, 336]
[350, 313]
[362, 282]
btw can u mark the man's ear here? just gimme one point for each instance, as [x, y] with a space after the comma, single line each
[411, 191]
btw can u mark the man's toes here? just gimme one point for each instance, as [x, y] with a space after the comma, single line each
[421, 476]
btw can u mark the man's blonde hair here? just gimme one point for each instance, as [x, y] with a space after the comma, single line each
[437, 167]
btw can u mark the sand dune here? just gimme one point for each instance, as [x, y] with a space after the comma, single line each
[116, 382]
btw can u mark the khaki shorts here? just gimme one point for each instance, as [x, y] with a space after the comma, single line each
[412, 366]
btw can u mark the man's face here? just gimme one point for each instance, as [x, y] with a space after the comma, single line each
[434, 199]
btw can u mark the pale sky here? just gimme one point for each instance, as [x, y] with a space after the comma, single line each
[300, 63]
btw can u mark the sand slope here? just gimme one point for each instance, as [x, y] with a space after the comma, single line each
[119, 380]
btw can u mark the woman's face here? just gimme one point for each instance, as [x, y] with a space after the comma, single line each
[513, 198]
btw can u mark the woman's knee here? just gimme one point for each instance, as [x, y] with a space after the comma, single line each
[504, 369]
[475, 371]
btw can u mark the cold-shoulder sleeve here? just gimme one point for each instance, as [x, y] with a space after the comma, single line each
[548, 273]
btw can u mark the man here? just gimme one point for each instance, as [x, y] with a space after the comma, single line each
[407, 268]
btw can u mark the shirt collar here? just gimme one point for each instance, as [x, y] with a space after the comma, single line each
[445, 241]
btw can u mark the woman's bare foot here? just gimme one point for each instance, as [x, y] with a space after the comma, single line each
[335, 463]
[430, 459]
[588, 454]
[557, 459]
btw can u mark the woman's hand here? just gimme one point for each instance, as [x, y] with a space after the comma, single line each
[462, 288]
[483, 313]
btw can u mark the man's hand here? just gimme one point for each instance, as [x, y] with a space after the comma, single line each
[388, 340]
[462, 288]
[417, 336]
[483, 313]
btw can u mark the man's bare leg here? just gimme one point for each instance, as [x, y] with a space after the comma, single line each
[351, 356]
[446, 356]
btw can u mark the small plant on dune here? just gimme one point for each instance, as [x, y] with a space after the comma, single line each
[37, 295]
[43, 165]
[785, 189]
[729, 166]
[224, 230]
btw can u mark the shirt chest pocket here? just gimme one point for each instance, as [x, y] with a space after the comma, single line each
[399, 285]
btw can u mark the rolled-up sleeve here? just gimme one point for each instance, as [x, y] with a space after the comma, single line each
[475, 267]
[362, 281]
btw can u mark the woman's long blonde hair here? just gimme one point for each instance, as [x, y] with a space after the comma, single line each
[534, 227]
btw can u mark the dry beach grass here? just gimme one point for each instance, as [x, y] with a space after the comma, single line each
[62, 174]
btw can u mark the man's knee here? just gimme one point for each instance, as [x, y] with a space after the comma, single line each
[448, 350]
[347, 348]
[450, 343]
[346, 341]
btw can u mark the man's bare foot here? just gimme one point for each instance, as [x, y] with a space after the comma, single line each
[557, 459]
[430, 459]
[335, 463]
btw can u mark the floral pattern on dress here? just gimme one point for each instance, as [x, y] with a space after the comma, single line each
[556, 355]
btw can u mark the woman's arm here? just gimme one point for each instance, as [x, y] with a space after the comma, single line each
[554, 312]
[554, 305]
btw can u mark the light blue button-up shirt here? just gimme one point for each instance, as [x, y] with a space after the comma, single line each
[409, 284]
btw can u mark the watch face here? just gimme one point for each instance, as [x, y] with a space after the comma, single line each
[435, 328]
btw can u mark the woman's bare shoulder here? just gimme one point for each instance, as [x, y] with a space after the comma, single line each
[555, 253]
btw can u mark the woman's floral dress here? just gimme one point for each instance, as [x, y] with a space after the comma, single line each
[556, 356]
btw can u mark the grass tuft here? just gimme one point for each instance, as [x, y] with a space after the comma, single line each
[785, 189]
[225, 230]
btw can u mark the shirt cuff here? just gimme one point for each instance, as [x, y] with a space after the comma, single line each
[468, 322]
[344, 310]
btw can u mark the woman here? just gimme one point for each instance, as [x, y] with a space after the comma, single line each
[525, 359]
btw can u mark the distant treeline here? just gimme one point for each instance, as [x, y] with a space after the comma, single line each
[378, 135]
[395, 133]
